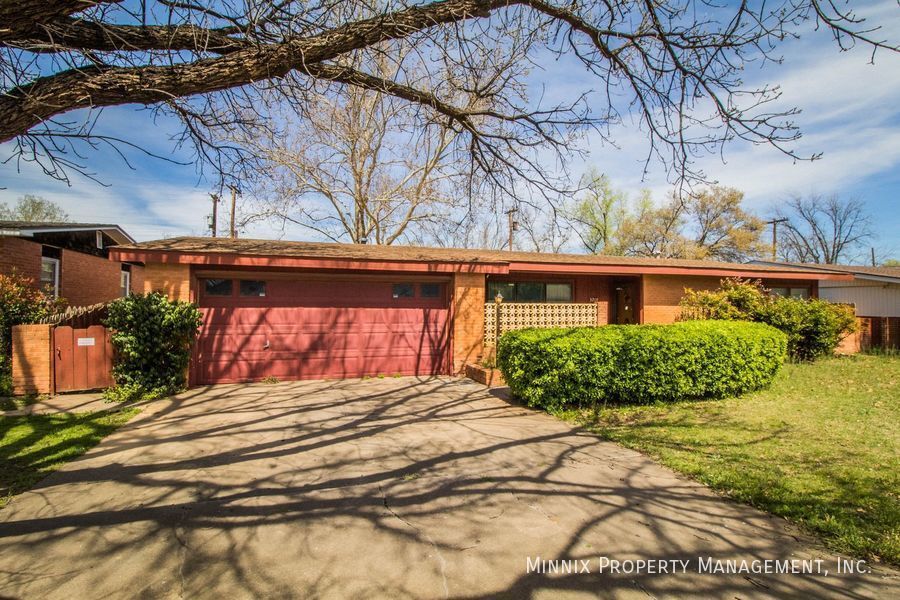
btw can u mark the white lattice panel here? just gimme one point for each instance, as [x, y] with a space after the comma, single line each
[516, 315]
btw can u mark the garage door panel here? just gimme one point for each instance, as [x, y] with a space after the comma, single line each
[286, 340]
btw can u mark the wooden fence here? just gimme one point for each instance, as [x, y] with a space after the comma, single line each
[879, 332]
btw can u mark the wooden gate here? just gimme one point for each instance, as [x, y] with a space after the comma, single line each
[82, 358]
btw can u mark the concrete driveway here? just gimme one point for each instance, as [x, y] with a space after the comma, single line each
[393, 488]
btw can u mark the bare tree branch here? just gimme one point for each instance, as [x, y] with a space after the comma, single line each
[672, 66]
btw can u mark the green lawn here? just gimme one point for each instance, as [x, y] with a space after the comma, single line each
[31, 447]
[820, 447]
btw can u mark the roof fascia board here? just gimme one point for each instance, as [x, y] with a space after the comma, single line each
[879, 278]
[223, 259]
[856, 274]
[576, 269]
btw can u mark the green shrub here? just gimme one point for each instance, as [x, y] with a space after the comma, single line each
[132, 392]
[152, 337]
[586, 366]
[814, 327]
[20, 302]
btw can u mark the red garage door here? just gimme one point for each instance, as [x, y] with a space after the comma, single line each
[320, 329]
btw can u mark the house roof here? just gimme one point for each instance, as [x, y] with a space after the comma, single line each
[251, 252]
[890, 274]
[30, 228]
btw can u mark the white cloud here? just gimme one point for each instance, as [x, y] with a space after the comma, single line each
[850, 114]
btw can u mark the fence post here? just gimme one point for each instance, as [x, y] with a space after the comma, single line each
[498, 300]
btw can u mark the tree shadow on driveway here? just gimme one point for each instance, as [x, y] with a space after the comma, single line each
[398, 487]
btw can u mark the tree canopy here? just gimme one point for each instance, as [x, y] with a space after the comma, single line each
[710, 223]
[673, 66]
[33, 208]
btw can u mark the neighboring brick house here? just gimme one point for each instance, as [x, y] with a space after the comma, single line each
[69, 260]
[299, 310]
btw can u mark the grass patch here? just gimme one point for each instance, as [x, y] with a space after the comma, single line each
[820, 447]
[17, 402]
[33, 446]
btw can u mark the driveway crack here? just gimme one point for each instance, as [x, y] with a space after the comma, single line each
[442, 562]
[183, 551]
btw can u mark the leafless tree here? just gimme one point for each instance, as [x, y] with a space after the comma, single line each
[481, 226]
[823, 229]
[674, 65]
[364, 166]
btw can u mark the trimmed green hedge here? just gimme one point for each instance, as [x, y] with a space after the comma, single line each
[585, 366]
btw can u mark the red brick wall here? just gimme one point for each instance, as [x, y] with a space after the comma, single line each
[173, 280]
[137, 279]
[32, 367]
[86, 279]
[21, 255]
[468, 319]
[662, 293]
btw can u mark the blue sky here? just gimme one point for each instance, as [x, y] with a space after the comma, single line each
[851, 113]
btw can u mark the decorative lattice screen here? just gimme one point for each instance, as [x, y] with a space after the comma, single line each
[516, 315]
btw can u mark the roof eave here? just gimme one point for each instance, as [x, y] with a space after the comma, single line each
[420, 266]
[115, 232]
[312, 263]
[878, 278]
[713, 271]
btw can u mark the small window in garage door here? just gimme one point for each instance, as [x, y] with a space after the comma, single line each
[253, 288]
[217, 287]
[430, 290]
[404, 290]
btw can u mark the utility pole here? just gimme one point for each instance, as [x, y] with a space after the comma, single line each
[774, 223]
[233, 206]
[513, 225]
[213, 225]
[874, 264]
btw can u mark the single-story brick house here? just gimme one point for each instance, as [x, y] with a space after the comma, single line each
[69, 260]
[297, 310]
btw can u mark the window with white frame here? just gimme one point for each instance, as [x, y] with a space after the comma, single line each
[50, 276]
[125, 283]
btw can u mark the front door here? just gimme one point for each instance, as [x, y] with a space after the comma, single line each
[624, 303]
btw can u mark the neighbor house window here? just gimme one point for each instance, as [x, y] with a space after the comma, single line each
[50, 276]
[404, 290]
[529, 291]
[430, 290]
[253, 288]
[790, 292]
[124, 282]
[217, 287]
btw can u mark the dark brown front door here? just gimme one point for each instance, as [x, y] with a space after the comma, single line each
[624, 303]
